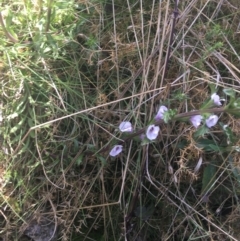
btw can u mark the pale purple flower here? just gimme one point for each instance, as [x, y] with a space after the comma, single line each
[160, 113]
[216, 99]
[211, 121]
[152, 132]
[125, 126]
[116, 150]
[196, 120]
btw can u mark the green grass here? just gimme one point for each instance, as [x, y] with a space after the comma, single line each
[71, 71]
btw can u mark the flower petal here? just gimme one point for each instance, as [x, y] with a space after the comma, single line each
[211, 121]
[196, 120]
[125, 126]
[116, 150]
[152, 132]
[160, 113]
[216, 99]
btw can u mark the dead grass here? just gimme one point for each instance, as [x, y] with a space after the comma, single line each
[113, 67]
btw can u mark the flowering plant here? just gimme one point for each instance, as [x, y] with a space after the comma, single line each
[196, 118]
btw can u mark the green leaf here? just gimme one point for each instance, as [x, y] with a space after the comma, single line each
[214, 147]
[228, 132]
[17, 138]
[19, 125]
[76, 145]
[168, 115]
[25, 147]
[32, 134]
[145, 141]
[230, 92]
[233, 107]
[201, 131]
[208, 178]
[17, 110]
[31, 100]
[212, 88]
[30, 122]
[79, 159]
[210, 145]
[236, 103]
[9, 23]
[102, 159]
[179, 95]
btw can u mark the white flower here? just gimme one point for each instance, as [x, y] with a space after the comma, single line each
[216, 99]
[160, 113]
[125, 126]
[196, 120]
[152, 132]
[211, 121]
[116, 150]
